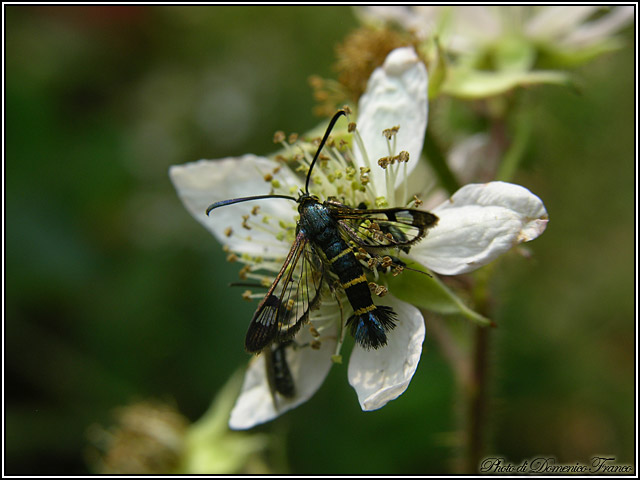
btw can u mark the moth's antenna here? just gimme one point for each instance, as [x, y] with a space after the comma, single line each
[224, 203]
[333, 121]
[232, 201]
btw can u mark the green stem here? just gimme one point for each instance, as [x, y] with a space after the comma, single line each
[513, 156]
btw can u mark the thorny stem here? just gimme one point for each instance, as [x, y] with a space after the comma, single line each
[477, 390]
[471, 370]
[477, 408]
[478, 387]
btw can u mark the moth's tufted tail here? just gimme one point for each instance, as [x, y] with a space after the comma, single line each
[370, 328]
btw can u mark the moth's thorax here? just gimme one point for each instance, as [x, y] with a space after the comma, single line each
[314, 216]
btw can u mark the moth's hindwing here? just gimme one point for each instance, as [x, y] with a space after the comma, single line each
[286, 306]
[278, 373]
[380, 229]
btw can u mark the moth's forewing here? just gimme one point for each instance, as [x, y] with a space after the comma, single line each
[286, 306]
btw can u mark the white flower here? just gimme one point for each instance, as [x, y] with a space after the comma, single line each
[476, 225]
[492, 49]
[467, 28]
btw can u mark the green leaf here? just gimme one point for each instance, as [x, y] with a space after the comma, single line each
[473, 84]
[549, 56]
[428, 292]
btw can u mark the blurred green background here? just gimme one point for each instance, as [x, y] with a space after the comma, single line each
[114, 293]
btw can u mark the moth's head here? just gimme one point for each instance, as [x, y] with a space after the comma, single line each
[305, 200]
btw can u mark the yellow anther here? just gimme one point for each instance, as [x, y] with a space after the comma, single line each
[244, 271]
[390, 132]
[384, 162]
[403, 156]
[381, 290]
[313, 331]
[278, 137]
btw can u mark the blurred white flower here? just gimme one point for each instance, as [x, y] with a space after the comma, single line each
[476, 225]
[491, 49]
[472, 27]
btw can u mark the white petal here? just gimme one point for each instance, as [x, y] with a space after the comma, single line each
[554, 21]
[479, 223]
[308, 367]
[201, 183]
[601, 28]
[396, 95]
[381, 375]
[380, 14]
[419, 19]
[476, 25]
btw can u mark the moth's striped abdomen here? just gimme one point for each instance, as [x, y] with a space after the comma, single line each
[369, 323]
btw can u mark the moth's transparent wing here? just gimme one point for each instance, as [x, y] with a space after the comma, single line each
[288, 302]
[381, 229]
